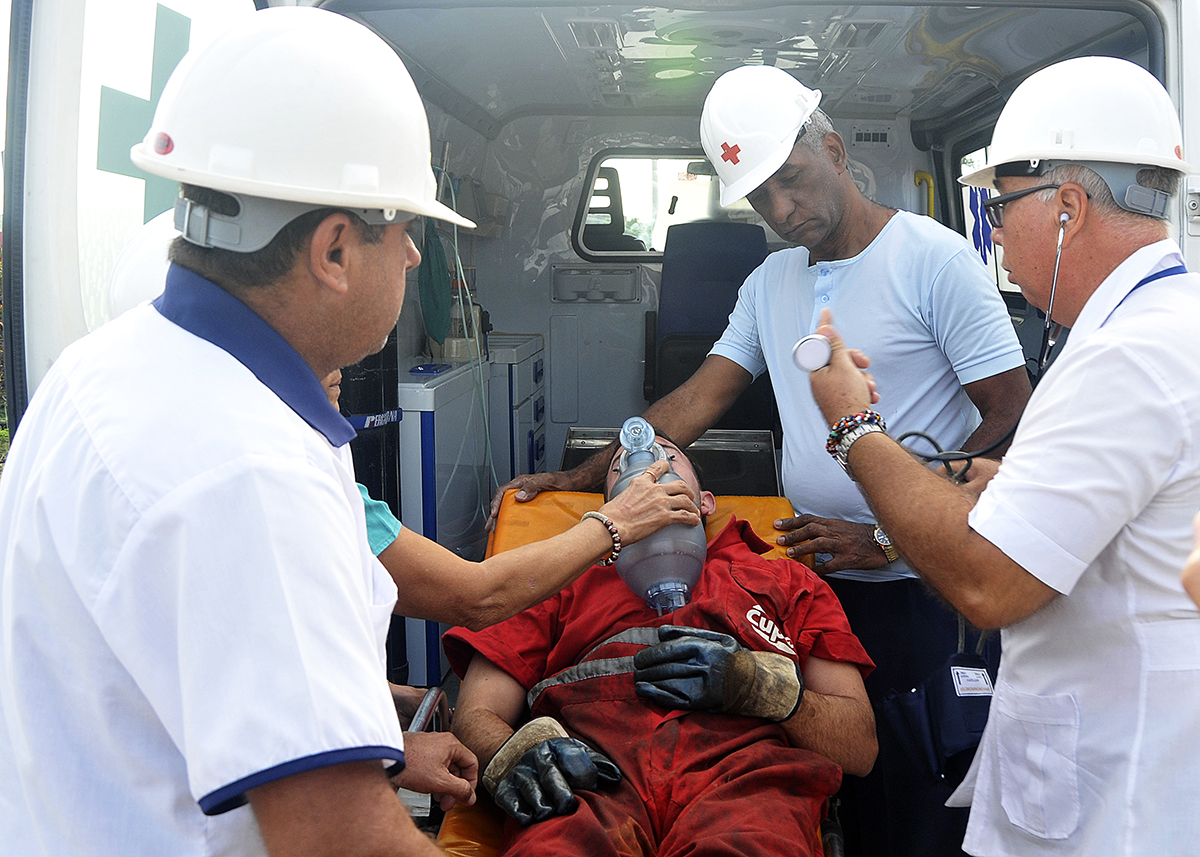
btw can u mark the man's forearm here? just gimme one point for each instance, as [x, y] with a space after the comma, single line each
[347, 810]
[482, 732]
[926, 517]
[591, 473]
[682, 415]
[840, 728]
[1001, 400]
[691, 408]
[490, 702]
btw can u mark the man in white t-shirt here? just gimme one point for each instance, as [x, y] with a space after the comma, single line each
[1073, 544]
[909, 288]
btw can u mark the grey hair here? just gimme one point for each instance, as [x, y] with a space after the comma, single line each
[815, 129]
[1101, 196]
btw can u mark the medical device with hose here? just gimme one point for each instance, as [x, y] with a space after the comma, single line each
[1039, 132]
[662, 568]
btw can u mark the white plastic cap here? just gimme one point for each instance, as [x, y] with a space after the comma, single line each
[1086, 110]
[299, 104]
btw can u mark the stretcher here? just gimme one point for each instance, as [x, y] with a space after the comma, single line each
[475, 831]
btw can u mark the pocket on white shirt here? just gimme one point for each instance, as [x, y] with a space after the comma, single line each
[383, 600]
[1039, 781]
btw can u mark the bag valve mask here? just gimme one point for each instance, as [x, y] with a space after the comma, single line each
[662, 568]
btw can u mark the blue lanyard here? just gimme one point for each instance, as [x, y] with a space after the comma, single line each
[1166, 272]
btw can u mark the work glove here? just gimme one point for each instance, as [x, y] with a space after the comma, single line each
[701, 670]
[535, 774]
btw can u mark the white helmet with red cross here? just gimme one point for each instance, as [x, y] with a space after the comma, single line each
[750, 122]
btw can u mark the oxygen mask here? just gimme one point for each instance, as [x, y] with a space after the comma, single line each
[662, 568]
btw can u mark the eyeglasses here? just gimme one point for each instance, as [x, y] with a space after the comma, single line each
[994, 207]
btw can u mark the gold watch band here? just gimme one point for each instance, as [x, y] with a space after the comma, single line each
[885, 544]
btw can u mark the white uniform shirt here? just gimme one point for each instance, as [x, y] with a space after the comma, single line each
[1093, 743]
[188, 607]
[920, 303]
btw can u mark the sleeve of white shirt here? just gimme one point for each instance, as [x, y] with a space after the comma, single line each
[970, 321]
[243, 607]
[1088, 457]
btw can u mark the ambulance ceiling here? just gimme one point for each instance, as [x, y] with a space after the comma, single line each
[489, 63]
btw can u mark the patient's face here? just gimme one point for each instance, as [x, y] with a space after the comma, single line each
[679, 463]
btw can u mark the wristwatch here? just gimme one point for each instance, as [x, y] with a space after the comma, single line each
[842, 452]
[885, 544]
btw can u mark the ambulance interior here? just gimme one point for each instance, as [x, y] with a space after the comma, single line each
[569, 133]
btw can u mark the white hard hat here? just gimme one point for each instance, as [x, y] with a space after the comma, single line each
[750, 122]
[298, 105]
[1095, 111]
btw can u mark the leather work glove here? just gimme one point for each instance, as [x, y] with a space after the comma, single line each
[701, 670]
[535, 774]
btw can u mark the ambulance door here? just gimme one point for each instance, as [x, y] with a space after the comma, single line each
[84, 77]
[1183, 65]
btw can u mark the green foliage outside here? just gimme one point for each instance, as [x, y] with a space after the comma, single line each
[634, 226]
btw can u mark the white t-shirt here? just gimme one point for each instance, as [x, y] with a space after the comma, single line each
[188, 605]
[1093, 744]
[920, 303]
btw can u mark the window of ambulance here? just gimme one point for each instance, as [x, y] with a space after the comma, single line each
[978, 230]
[632, 196]
[86, 76]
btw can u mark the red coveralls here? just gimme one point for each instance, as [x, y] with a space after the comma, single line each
[694, 782]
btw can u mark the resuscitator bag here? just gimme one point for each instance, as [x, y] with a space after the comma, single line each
[940, 721]
[663, 567]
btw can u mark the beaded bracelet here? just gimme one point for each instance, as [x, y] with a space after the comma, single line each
[844, 425]
[612, 531]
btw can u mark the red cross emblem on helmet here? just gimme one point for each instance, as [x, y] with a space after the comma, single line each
[730, 153]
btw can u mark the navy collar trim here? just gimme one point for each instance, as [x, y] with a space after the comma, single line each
[202, 307]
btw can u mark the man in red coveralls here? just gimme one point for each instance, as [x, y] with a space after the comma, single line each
[719, 728]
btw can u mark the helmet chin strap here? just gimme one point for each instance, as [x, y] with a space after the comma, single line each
[1048, 340]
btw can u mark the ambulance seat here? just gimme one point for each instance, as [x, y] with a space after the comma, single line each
[606, 203]
[475, 831]
[704, 264]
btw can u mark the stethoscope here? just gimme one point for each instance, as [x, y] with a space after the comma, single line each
[813, 352]
[1050, 334]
